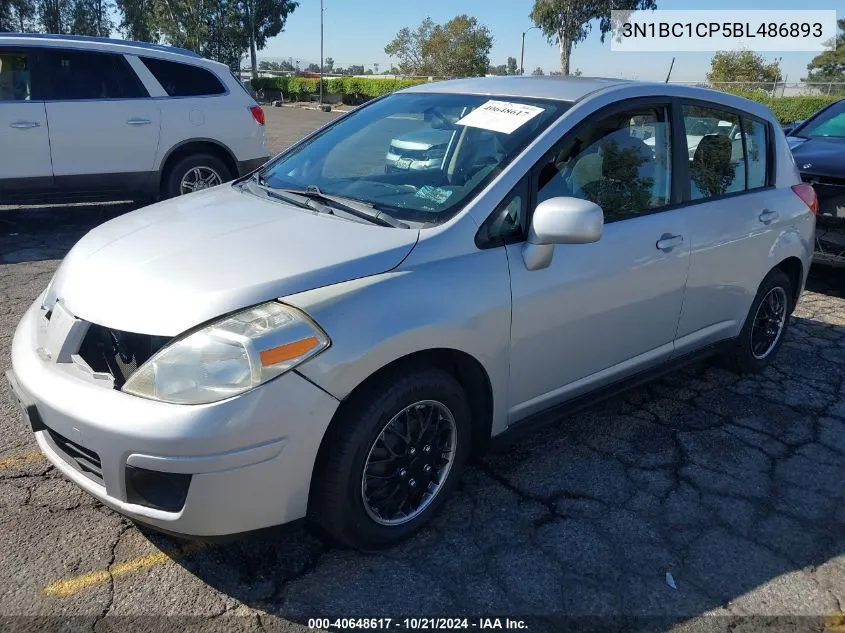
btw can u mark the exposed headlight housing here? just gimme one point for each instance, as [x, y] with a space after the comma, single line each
[230, 356]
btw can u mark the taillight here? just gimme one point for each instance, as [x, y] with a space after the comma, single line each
[806, 192]
[257, 114]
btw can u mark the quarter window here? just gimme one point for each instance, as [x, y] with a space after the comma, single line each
[622, 162]
[715, 148]
[78, 75]
[15, 77]
[505, 223]
[756, 152]
[183, 80]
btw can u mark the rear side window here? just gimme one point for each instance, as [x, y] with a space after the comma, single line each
[183, 80]
[756, 152]
[715, 149]
[76, 75]
[15, 77]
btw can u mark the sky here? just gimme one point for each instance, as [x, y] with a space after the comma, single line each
[356, 32]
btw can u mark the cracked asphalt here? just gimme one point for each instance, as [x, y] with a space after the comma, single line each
[731, 484]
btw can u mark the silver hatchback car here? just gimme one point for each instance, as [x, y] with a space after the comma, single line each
[324, 339]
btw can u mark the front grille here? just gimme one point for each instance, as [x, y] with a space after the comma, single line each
[118, 353]
[86, 460]
[415, 154]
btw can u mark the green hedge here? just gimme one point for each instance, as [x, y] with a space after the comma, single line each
[788, 109]
[353, 89]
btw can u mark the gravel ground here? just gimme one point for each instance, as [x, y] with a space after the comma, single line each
[731, 484]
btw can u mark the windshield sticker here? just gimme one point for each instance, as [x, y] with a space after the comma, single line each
[500, 116]
[435, 194]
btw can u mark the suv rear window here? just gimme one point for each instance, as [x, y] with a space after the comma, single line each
[183, 80]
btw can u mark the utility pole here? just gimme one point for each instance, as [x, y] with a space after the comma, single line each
[522, 51]
[522, 55]
[321, 53]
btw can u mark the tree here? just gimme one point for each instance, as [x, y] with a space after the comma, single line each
[140, 19]
[91, 17]
[829, 66]
[743, 67]
[458, 48]
[54, 15]
[313, 68]
[567, 23]
[538, 71]
[407, 46]
[264, 19]
[220, 29]
[501, 69]
[17, 16]
[512, 68]
[328, 65]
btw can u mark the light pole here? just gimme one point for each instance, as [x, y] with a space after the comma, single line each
[321, 53]
[522, 52]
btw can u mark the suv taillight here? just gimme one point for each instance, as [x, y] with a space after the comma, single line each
[806, 192]
[257, 114]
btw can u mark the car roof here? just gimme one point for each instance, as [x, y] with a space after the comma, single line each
[572, 89]
[98, 43]
[546, 87]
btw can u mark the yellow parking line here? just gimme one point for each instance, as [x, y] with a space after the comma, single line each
[71, 586]
[26, 458]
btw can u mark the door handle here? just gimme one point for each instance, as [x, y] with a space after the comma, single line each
[24, 125]
[668, 241]
[768, 216]
[138, 122]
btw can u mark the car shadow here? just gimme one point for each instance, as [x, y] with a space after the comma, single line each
[47, 232]
[705, 492]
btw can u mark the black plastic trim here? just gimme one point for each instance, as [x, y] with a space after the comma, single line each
[156, 489]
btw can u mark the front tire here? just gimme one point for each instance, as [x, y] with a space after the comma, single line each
[391, 460]
[765, 326]
[193, 173]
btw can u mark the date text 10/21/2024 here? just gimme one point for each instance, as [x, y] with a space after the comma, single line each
[421, 624]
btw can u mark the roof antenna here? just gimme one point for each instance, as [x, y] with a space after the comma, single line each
[671, 66]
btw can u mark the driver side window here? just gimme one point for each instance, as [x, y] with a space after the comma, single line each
[622, 162]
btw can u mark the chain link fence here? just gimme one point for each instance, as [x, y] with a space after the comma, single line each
[776, 88]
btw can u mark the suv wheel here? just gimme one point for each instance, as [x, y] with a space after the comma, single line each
[392, 460]
[194, 173]
[764, 329]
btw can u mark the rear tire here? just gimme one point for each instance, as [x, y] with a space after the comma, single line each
[765, 326]
[367, 464]
[205, 170]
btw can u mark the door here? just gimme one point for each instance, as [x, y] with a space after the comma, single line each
[25, 156]
[606, 310]
[102, 120]
[733, 215]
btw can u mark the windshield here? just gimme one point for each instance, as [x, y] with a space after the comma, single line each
[830, 123]
[416, 157]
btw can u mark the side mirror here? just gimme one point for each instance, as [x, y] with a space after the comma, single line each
[560, 221]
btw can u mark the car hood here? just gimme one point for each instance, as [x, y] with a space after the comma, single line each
[819, 156]
[422, 139]
[173, 265]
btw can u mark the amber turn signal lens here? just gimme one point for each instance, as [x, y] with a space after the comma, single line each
[288, 351]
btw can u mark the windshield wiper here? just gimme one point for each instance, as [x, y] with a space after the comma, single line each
[291, 197]
[352, 206]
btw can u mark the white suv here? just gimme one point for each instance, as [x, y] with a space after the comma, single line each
[88, 117]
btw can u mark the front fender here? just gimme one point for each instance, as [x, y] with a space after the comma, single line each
[460, 303]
